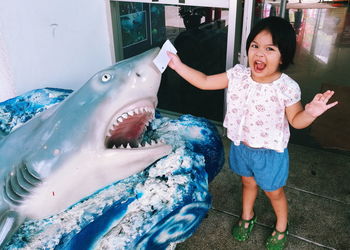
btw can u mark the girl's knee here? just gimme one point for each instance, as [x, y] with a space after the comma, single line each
[276, 194]
[249, 182]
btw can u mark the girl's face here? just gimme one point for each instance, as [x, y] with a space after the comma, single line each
[264, 58]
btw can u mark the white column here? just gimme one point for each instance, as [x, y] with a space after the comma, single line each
[247, 25]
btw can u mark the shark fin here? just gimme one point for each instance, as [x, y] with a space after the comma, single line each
[9, 222]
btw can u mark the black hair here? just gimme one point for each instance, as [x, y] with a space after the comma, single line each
[283, 36]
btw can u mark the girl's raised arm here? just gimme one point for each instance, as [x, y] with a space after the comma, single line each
[300, 118]
[197, 78]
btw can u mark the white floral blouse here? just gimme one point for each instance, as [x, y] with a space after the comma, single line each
[256, 111]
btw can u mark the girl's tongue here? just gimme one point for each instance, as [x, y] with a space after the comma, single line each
[259, 66]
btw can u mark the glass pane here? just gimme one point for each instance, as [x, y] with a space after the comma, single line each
[134, 23]
[199, 34]
[200, 37]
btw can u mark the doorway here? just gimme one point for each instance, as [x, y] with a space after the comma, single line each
[204, 35]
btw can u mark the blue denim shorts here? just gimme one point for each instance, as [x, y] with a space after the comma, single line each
[268, 167]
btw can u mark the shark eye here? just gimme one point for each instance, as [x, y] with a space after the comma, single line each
[138, 75]
[106, 77]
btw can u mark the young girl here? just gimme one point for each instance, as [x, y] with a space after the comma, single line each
[261, 103]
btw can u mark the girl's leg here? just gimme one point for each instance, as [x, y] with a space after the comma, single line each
[249, 194]
[245, 225]
[279, 203]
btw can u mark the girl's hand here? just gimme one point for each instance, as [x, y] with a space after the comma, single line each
[319, 104]
[175, 61]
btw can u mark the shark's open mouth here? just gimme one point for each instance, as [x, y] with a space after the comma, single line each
[127, 129]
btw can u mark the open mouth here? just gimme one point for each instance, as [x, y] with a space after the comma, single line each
[127, 129]
[259, 66]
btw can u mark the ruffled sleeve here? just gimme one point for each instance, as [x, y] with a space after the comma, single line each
[236, 72]
[291, 91]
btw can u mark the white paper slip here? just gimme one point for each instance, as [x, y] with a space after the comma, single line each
[162, 59]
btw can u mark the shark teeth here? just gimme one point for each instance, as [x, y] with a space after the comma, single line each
[140, 145]
[127, 128]
[121, 118]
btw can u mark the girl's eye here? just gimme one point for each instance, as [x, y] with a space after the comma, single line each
[269, 49]
[106, 77]
[254, 46]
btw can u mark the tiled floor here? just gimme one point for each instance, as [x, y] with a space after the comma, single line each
[319, 201]
[318, 187]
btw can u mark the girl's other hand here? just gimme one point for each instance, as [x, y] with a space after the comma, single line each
[319, 104]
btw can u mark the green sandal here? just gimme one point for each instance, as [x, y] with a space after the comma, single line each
[273, 243]
[240, 232]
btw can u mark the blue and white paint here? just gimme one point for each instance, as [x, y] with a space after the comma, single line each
[16, 111]
[157, 207]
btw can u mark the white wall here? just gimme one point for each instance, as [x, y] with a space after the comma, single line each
[7, 88]
[54, 43]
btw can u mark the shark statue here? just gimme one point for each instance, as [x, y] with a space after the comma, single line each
[89, 141]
